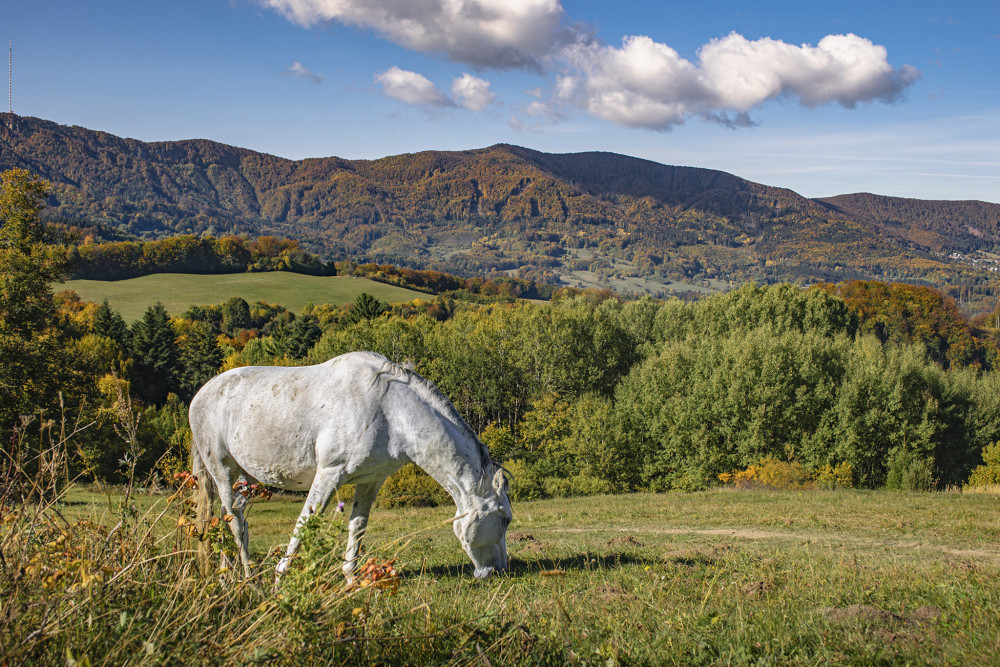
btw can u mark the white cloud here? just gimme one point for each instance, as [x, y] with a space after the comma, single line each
[488, 33]
[641, 83]
[411, 87]
[648, 84]
[298, 71]
[472, 92]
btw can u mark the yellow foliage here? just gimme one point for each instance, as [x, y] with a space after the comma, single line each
[772, 473]
[988, 474]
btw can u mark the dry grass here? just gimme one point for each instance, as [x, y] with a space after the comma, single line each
[708, 578]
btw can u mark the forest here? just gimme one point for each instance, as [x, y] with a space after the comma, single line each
[539, 216]
[860, 383]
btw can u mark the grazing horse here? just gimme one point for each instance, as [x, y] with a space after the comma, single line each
[354, 419]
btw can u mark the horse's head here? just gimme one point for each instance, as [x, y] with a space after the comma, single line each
[482, 530]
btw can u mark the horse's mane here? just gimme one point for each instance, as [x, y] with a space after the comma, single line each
[390, 371]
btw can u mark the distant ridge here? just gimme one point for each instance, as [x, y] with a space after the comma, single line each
[593, 216]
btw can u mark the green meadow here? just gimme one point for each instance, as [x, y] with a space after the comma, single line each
[178, 291]
[709, 578]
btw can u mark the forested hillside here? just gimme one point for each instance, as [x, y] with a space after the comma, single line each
[858, 383]
[587, 219]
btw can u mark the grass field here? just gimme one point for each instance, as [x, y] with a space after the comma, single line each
[177, 291]
[722, 577]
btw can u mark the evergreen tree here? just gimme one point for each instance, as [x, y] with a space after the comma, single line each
[235, 315]
[109, 323]
[155, 354]
[301, 336]
[366, 307]
[200, 358]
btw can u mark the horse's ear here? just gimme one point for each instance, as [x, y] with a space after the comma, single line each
[499, 481]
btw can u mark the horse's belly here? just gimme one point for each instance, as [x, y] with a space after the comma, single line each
[282, 458]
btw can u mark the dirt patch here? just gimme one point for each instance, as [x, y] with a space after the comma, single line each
[925, 614]
[519, 537]
[535, 546]
[624, 541]
[756, 589]
[611, 592]
[860, 612]
[865, 612]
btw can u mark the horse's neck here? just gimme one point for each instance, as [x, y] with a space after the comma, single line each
[458, 472]
[455, 460]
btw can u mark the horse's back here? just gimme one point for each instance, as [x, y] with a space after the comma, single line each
[280, 423]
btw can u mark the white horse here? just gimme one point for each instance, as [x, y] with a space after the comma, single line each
[354, 419]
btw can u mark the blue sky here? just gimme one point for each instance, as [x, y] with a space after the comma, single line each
[897, 98]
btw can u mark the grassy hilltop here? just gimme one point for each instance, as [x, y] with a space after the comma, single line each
[177, 291]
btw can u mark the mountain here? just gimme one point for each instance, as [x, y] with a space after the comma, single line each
[941, 225]
[589, 218]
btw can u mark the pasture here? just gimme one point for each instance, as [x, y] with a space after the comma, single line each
[717, 577]
[178, 291]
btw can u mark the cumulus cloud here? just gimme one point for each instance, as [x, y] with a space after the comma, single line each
[647, 84]
[298, 71]
[472, 92]
[641, 83]
[411, 87]
[501, 34]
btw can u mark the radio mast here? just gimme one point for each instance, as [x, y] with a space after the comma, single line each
[10, 77]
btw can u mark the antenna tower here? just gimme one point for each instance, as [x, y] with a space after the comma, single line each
[10, 77]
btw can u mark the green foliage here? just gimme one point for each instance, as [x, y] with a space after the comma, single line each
[987, 474]
[909, 471]
[199, 357]
[411, 487]
[110, 324]
[366, 307]
[155, 353]
[34, 366]
[235, 315]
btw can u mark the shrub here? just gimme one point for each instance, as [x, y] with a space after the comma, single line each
[910, 471]
[829, 476]
[772, 473]
[578, 485]
[412, 487]
[987, 474]
[525, 483]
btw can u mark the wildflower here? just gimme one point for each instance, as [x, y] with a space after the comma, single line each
[340, 507]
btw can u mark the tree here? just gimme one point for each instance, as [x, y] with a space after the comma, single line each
[32, 358]
[154, 350]
[235, 315]
[110, 324]
[366, 307]
[200, 357]
[301, 336]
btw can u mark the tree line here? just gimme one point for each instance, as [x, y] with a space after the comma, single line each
[584, 394]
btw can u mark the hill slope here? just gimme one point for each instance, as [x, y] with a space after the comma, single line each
[587, 217]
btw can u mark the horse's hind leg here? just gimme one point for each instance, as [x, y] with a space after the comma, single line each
[364, 496]
[237, 524]
[324, 484]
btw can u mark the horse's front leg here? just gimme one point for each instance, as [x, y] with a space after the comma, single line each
[364, 496]
[323, 486]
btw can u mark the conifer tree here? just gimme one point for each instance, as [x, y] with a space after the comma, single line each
[155, 353]
[200, 358]
[109, 323]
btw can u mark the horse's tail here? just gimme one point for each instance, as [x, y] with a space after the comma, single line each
[204, 500]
